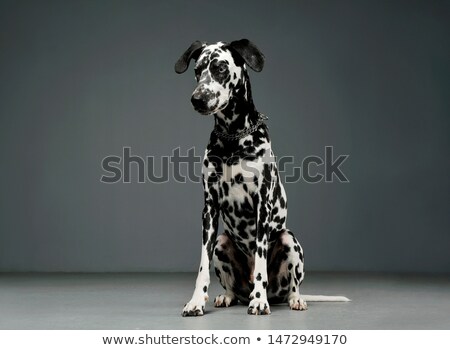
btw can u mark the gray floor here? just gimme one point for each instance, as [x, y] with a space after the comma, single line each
[154, 301]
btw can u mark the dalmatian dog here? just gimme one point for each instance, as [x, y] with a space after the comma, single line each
[258, 260]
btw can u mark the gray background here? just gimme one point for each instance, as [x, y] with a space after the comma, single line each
[80, 80]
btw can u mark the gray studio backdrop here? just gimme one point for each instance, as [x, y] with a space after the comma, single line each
[80, 80]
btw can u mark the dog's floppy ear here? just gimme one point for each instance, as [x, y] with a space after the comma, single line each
[192, 52]
[249, 53]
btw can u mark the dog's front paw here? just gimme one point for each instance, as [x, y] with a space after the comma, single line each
[194, 308]
[297, 303]
[258, 306]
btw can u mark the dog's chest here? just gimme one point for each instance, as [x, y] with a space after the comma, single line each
[239, 169]
[238, 188]
[239, 179]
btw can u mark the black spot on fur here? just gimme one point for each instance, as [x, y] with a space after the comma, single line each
[225, 204]
[206, 225]
[225, 188]
[260, 252]
[297, 272]
[221, 255]
[239, 178]
[210, 247]
[242, 225]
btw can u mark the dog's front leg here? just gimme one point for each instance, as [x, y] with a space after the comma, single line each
[258, 297]
[196, 306]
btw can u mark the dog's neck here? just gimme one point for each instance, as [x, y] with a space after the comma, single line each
[240, 113]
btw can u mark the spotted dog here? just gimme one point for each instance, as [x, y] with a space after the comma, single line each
[258, 260]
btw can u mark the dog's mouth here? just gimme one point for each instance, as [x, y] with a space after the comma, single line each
[210, 111]
[204, 112]
[207, 110]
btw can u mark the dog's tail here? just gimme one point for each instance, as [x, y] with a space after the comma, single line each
[324, 298]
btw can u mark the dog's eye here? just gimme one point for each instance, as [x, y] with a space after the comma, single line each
[222, 68]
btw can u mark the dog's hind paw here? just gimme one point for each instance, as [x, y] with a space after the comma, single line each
[224, 300]
[297, 303]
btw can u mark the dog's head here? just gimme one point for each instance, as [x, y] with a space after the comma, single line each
[219, 70]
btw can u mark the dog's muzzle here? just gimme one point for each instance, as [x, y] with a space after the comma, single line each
[201, 99]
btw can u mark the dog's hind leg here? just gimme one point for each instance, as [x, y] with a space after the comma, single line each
[286, 271]
[231, 268]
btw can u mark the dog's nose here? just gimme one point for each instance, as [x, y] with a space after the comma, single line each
[199, 101]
